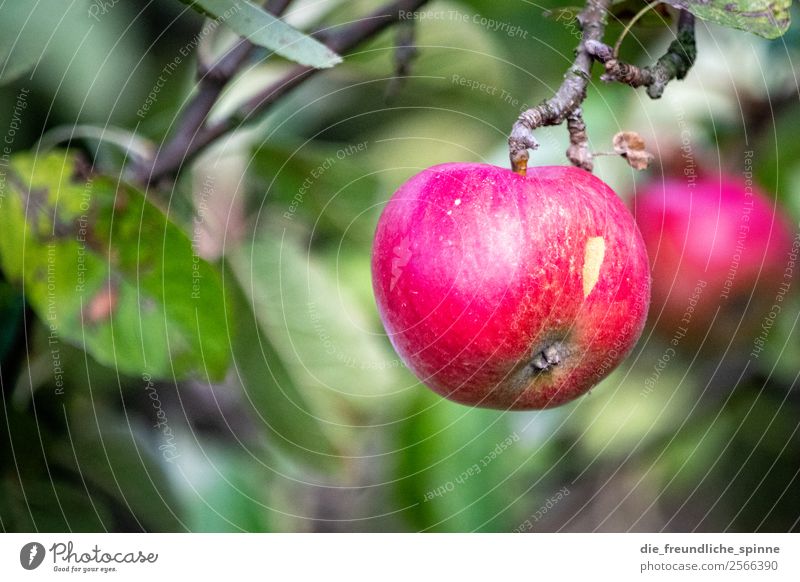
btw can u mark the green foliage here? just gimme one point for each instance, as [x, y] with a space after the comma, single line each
[228, 492]
[316, 369]
[767, 18]
[107, 271]
[458, 467]
[89, 471]
[32, 508]
[116, 463]
[26, 32]
[262, 28]
[287, 406]
[325, 185]
[621, 12]
[75, 55]
[11, 306]
[286, 414]
[626, 413]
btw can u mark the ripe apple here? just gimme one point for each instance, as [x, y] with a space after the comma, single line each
[719, 249]
[509, 291]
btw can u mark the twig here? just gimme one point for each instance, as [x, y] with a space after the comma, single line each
[212, 80]
[405, 52]
[631, 22]
[759, 113]
[570, 94]
[185, 146]
[675, 63]
[578, 151]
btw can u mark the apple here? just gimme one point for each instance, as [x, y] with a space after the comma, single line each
[509, 291]
[719, 250]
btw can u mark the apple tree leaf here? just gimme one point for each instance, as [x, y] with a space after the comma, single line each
[26, 32]
[621, 11]
[319, 330]
[631, 146]
[316, 363]
[262, 28]
[225, 491]
[51, 506]
[117, 461]
[452, 474]
[11, 308]
[290, 423]
[108, 272]
[767, 18]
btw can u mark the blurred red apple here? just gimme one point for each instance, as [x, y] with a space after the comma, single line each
[719, 249]
[509, 291]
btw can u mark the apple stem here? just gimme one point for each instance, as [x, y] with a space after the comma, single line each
[565, 104]
[570, 94]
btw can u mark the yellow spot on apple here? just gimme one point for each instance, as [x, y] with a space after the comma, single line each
[592, 261]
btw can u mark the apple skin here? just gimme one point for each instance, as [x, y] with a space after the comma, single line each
[714, 244]
[508, 291]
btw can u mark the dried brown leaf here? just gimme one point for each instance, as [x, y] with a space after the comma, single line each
[631, 146]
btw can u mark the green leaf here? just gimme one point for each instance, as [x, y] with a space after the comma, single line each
[767, 18]
[317, 344]
[112, 459]
[26, 32]
[632, 408]
[128, 141]
[79, 55]
[321, 333]
[11, 307]
[224, 490]
[108, 272]
[290, 422]
[51, 506]
[622, 11]
[329, 186]
[262, 28]
[456, 467]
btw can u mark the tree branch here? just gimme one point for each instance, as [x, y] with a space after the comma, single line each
[569, 96]
[578, 151]
[212, 80]
[675, 63]
[187, 144]
[760, 113]
[404, 54]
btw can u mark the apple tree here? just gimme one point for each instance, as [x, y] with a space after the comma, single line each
[190, 339]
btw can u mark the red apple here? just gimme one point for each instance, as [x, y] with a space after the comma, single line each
[509, 291]
[719, 249]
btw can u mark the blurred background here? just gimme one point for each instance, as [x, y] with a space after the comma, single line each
[292, 412]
